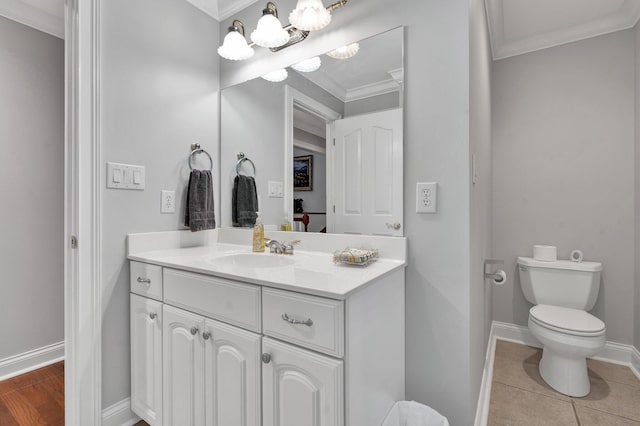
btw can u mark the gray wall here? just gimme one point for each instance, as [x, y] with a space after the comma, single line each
[480, 138]
[252, 116]
[372, 104]
[32, 188]
[436, 143]
[159, 93]
[563, 163]
[637, 188]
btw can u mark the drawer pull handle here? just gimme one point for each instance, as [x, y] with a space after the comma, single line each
[153, 315]
[206, 335]
[308, 322]
[194, 330]
[266, 358]
[144, 280]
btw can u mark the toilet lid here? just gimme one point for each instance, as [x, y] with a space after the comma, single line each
[567, 320]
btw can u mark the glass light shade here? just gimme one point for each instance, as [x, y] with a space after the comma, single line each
[309, 15]
[235, 47]
[276, 76]
[344, 52]
[269, 32]
[308, 65]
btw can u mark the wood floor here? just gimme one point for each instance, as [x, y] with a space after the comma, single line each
[34, 398]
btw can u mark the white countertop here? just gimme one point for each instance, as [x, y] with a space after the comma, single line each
[311, 272]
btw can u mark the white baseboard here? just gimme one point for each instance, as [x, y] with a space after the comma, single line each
[612, 352]
[31, 360]
[119, 414]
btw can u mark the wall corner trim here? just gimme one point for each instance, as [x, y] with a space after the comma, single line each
[31, 360]
[119, 414]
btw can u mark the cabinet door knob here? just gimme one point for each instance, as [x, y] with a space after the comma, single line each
[194, 330]
[266, 358]
[206, 335]
[144, 280]
[153, 315]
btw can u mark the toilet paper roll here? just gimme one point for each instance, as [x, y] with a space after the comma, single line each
[576, 256]
[545, 253]
[501, 277]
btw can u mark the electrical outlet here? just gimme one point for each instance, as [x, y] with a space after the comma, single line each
[168, 202]
[426, 197]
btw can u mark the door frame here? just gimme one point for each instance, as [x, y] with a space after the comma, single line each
[293, 98]
[82, 215]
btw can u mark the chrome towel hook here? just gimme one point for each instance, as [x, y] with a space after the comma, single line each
[196, 149]
[241, 159]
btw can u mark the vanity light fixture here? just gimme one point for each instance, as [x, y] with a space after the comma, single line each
[308, 65]
[310, 14]
[276, 76]
[269, 32]
[235, 46]
[344, 52]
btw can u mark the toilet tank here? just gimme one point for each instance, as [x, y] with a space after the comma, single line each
[560, 283]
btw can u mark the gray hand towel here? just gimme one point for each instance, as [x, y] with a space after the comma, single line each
[199, 213]
[244, 201]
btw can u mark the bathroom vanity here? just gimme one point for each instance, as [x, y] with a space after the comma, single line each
[222, 336]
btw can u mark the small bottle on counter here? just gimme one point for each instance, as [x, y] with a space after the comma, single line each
[285, 225]
[258, 234]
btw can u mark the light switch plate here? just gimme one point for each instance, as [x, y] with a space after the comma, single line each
[426, 197]
[125, 176]
[276, 189]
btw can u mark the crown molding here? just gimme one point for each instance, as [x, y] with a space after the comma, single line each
[210, 7]
[33, 17]
[233, 8]
[626, 17]
[373, 89]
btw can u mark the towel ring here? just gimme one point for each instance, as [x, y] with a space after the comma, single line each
[195, 149]
[241, 159]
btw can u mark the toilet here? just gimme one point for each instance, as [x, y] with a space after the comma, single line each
[562, 292]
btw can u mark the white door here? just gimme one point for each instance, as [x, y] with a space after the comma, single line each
[300, 387]
[367, 175]
[183, 373]
[146, 359]
[232, 375]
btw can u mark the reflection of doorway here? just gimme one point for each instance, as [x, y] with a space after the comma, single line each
[309, 140]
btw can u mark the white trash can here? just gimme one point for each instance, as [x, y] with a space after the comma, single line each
[411, 413]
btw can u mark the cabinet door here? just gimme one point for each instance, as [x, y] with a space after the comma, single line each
[183, 373]
[232, 367]
[300, 387]
[146, 359]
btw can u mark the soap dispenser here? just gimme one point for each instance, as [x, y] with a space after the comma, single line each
[258, 235]
[285, 225]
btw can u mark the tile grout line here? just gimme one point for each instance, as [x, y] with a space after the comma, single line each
[575, 412]
[533, 391]
[609, 413]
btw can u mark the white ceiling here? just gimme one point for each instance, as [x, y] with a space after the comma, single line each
[521, 26]
[43, 15]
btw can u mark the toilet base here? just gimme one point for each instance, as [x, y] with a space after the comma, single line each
[565, 374]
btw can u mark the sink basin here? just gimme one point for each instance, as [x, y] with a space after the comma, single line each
[251, 260]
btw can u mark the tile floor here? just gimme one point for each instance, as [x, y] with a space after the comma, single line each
[520, 397]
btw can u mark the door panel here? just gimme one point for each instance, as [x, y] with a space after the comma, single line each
[183, 374]
[300, 387]
[368, 183]
[233, 382]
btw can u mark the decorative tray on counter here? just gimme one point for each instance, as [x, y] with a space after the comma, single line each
[355, 256]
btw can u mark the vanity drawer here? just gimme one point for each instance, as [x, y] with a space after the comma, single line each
[323, 333]
[146, 280]
[225, 300]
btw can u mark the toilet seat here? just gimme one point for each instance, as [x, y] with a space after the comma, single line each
[569, 321]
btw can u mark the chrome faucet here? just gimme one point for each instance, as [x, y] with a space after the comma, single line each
[279, 248]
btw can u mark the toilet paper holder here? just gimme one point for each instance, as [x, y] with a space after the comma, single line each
[495, 276]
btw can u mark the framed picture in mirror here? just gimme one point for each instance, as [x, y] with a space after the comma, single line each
[303, 173]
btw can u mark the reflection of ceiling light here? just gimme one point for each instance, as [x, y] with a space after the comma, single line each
[309, 15]
[269, 32]
[308, 65]
[344, 52]
[276, 76]
[235, 46]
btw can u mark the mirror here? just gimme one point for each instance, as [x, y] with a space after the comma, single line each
[331, 138]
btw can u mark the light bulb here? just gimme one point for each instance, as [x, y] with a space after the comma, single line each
[308, 65]
[310, 15]
[276, 76]
[344, 52]
[235, 46]
[269, 32]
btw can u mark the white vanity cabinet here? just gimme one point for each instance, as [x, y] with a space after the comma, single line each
[240, 354]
